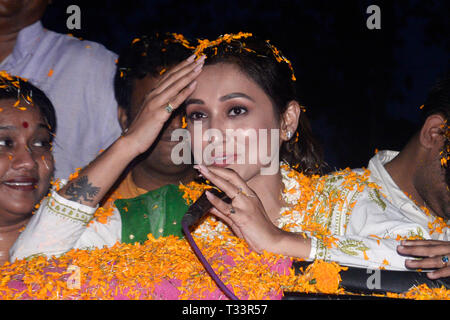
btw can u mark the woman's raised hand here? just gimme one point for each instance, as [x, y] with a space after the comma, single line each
[170, 92]
[97, 178]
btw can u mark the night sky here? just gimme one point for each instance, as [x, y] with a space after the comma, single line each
[362, 88]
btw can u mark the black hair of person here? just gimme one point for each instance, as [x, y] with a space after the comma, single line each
[438, 99]
[438, 102]
[146, 55]
[19, 89]
[261, 61]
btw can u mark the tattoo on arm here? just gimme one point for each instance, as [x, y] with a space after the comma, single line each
[81, 189]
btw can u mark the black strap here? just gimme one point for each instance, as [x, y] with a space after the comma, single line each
[369, 281]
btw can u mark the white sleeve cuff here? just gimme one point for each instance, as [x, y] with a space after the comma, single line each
[312, 253]
[68, 209]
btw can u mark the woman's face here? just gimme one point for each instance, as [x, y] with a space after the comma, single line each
[239, 111]
[26, 162]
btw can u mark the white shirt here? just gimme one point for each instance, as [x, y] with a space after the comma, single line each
[396, 196]
[77, 77]
[369, 236]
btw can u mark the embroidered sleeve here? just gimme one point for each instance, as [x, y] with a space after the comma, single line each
[60, 225]
[362, 252]
[371, 238]
[71, 210]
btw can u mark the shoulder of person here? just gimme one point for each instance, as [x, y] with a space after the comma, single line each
[81, 49]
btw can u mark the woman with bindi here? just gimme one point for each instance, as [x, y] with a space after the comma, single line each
[27, 126]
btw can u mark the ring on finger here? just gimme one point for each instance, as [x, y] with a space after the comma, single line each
[444, 260]
[169, 108]
[248, 195]
[238, 193]
[232, 210]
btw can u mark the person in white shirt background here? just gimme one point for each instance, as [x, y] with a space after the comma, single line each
[418, 176]
[77, 76]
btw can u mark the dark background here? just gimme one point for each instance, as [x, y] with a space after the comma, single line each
[362, 88]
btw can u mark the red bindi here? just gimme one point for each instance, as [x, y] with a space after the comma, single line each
[25, 124]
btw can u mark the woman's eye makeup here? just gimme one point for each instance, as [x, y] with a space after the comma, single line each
[196, 115]
[234, 111]
[237, 111]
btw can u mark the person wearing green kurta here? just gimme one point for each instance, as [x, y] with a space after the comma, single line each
[158, 212]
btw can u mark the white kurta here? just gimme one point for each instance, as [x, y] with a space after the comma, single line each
[368, 236]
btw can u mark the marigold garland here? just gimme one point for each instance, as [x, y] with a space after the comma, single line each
[12, 83]
[227, 38]
[438, 224]
[445, 152]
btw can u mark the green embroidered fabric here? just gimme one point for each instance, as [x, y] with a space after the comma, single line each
[158, 212]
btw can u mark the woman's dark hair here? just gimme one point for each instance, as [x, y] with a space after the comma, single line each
[265, 65]
[17, 88]
[146, 55]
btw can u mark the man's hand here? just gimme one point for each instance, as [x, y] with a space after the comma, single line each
[434, 254]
